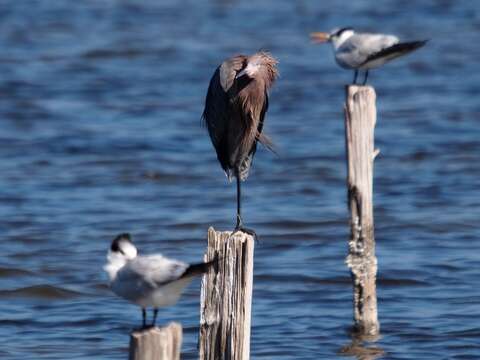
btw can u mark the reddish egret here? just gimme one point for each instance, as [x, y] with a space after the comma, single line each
[235, 108]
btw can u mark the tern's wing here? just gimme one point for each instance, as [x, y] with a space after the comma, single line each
[153, 270]
[358, 48]
[394, 51]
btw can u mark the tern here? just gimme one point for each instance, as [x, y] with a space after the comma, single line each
[364, 51]
[149, 281]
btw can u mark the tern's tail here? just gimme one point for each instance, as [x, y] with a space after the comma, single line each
[199, 269]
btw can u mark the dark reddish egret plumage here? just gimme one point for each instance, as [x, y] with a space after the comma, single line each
[235, 108]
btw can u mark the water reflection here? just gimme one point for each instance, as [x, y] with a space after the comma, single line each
[361, 347]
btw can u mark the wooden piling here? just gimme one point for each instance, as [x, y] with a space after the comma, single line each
[156, 343]
[226, 298]
[360, 119]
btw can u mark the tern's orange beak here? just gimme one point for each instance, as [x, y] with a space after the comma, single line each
[319, 37]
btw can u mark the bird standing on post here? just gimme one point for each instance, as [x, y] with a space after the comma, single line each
[235, 108]
[364, 51]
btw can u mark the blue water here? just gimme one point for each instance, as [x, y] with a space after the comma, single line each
[100, 105]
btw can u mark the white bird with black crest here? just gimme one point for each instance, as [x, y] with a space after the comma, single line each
[364, 51]
[149, 281]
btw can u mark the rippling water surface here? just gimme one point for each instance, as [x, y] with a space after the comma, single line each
[100, 105]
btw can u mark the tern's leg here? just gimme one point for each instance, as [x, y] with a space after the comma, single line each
[155, 313]
[355, 77]
[366, 77]
[144, 317]
[239, 226]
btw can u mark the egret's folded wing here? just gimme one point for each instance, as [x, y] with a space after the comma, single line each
[217, 104]
[229, 69]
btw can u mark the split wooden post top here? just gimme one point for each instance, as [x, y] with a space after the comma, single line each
[226, 297]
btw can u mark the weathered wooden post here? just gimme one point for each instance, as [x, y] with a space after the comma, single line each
[360, 119]
[156, 343]
[226, 297]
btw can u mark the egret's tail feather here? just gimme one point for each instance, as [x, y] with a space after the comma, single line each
[267, 142]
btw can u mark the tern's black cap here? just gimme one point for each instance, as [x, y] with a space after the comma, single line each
[118, 238]
[340, 31]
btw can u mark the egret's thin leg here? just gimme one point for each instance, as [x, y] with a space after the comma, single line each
[239, 226]
[239, 203]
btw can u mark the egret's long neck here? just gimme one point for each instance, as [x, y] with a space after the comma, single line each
[114, 264]
[340, 40]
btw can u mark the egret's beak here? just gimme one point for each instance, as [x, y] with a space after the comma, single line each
[241, 73]
[320, 37]
[249, 70]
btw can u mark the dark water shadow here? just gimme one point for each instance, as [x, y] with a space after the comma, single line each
[43, 291]
[361, 347]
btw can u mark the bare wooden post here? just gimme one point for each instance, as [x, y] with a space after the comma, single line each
[156, 343]
[360, 119]
[226, 298]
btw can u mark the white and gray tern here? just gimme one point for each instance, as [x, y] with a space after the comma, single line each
[149, 281]
[364, 51]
